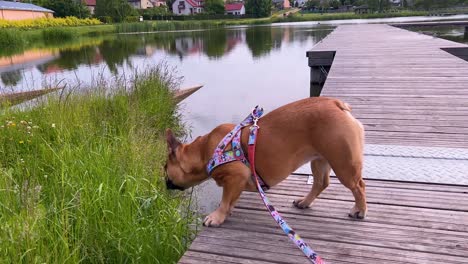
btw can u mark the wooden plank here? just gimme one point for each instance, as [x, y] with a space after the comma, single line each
[379, 183]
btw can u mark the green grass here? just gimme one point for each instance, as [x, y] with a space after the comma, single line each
[149, 26]
[44, 35]
[81, 177]
[58, 34]
[339, 16]
[11, 42]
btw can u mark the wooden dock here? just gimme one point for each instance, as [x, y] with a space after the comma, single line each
[407, 89]
[407, 223]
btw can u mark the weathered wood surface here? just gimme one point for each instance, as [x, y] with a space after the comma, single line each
[182, 94]
[17, 98]
[402, 85]
[20, 97]
[406, 223]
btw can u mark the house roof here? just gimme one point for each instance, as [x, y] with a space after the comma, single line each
[233, 7]
[195, 3]
[6, 5]
[90, 2]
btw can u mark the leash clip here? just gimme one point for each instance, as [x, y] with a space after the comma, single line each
[255, 120]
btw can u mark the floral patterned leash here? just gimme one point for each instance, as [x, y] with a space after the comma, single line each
[297, 240]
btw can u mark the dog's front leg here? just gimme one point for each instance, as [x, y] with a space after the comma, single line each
[233, 177]
[231, 193]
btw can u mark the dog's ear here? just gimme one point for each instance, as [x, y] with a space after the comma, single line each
[172, 142]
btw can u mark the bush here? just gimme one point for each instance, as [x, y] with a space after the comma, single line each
[132, 19]
[105, 19]
[49, 22]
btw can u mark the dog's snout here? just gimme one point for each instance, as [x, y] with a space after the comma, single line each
[171, 186]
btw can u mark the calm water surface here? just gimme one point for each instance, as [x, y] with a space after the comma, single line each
[239, 67]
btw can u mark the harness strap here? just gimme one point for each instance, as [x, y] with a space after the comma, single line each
[296, 239]
[222, 156]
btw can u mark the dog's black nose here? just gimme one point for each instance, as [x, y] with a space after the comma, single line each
[171, 186]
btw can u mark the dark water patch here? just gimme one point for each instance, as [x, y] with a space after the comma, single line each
[453, 33]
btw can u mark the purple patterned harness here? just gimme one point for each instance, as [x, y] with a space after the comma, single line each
[222, 156]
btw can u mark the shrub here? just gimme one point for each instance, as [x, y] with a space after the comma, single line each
[132, 19]
[105, 19]
[49, 22]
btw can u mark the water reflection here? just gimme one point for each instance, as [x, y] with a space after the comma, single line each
[118, 50]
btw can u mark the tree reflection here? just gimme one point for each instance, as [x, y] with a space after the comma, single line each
[214, 43]
[70, 59]
[259, 40]
[11, 78]
[116, 52]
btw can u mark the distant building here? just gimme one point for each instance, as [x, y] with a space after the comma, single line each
[21, 11]
[145, 4]
[187, 7]
[91, 4]
[237, 9]
[299, 3]
[281, 4]
[364, 9]
[157, 3]
[140, 4]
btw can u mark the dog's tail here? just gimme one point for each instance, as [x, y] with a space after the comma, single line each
[343, 106]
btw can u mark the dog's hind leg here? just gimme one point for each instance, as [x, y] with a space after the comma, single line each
[321, 172]
[355, 183]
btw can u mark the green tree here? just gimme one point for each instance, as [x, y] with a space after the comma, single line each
[65, 8]
[169, 4]
[378, 5]
[214, 6]
[335, 4]
[258, 8]
[155, 12]
[118, 10]
[312, 4]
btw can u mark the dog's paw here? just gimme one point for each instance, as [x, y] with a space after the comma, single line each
[301, 204]
[215, 219]
[356, 213]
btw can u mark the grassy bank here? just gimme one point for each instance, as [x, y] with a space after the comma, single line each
[14, 40]
[276, 18]
[81, 177]
[299, 17]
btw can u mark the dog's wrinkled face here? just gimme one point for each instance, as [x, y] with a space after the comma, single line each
[180, 166]
[174, 171]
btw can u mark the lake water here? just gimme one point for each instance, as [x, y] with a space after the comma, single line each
[240, 67]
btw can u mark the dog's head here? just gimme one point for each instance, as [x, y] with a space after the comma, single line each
[184, 166]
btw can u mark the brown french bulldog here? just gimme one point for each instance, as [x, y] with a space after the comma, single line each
[319, 130]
